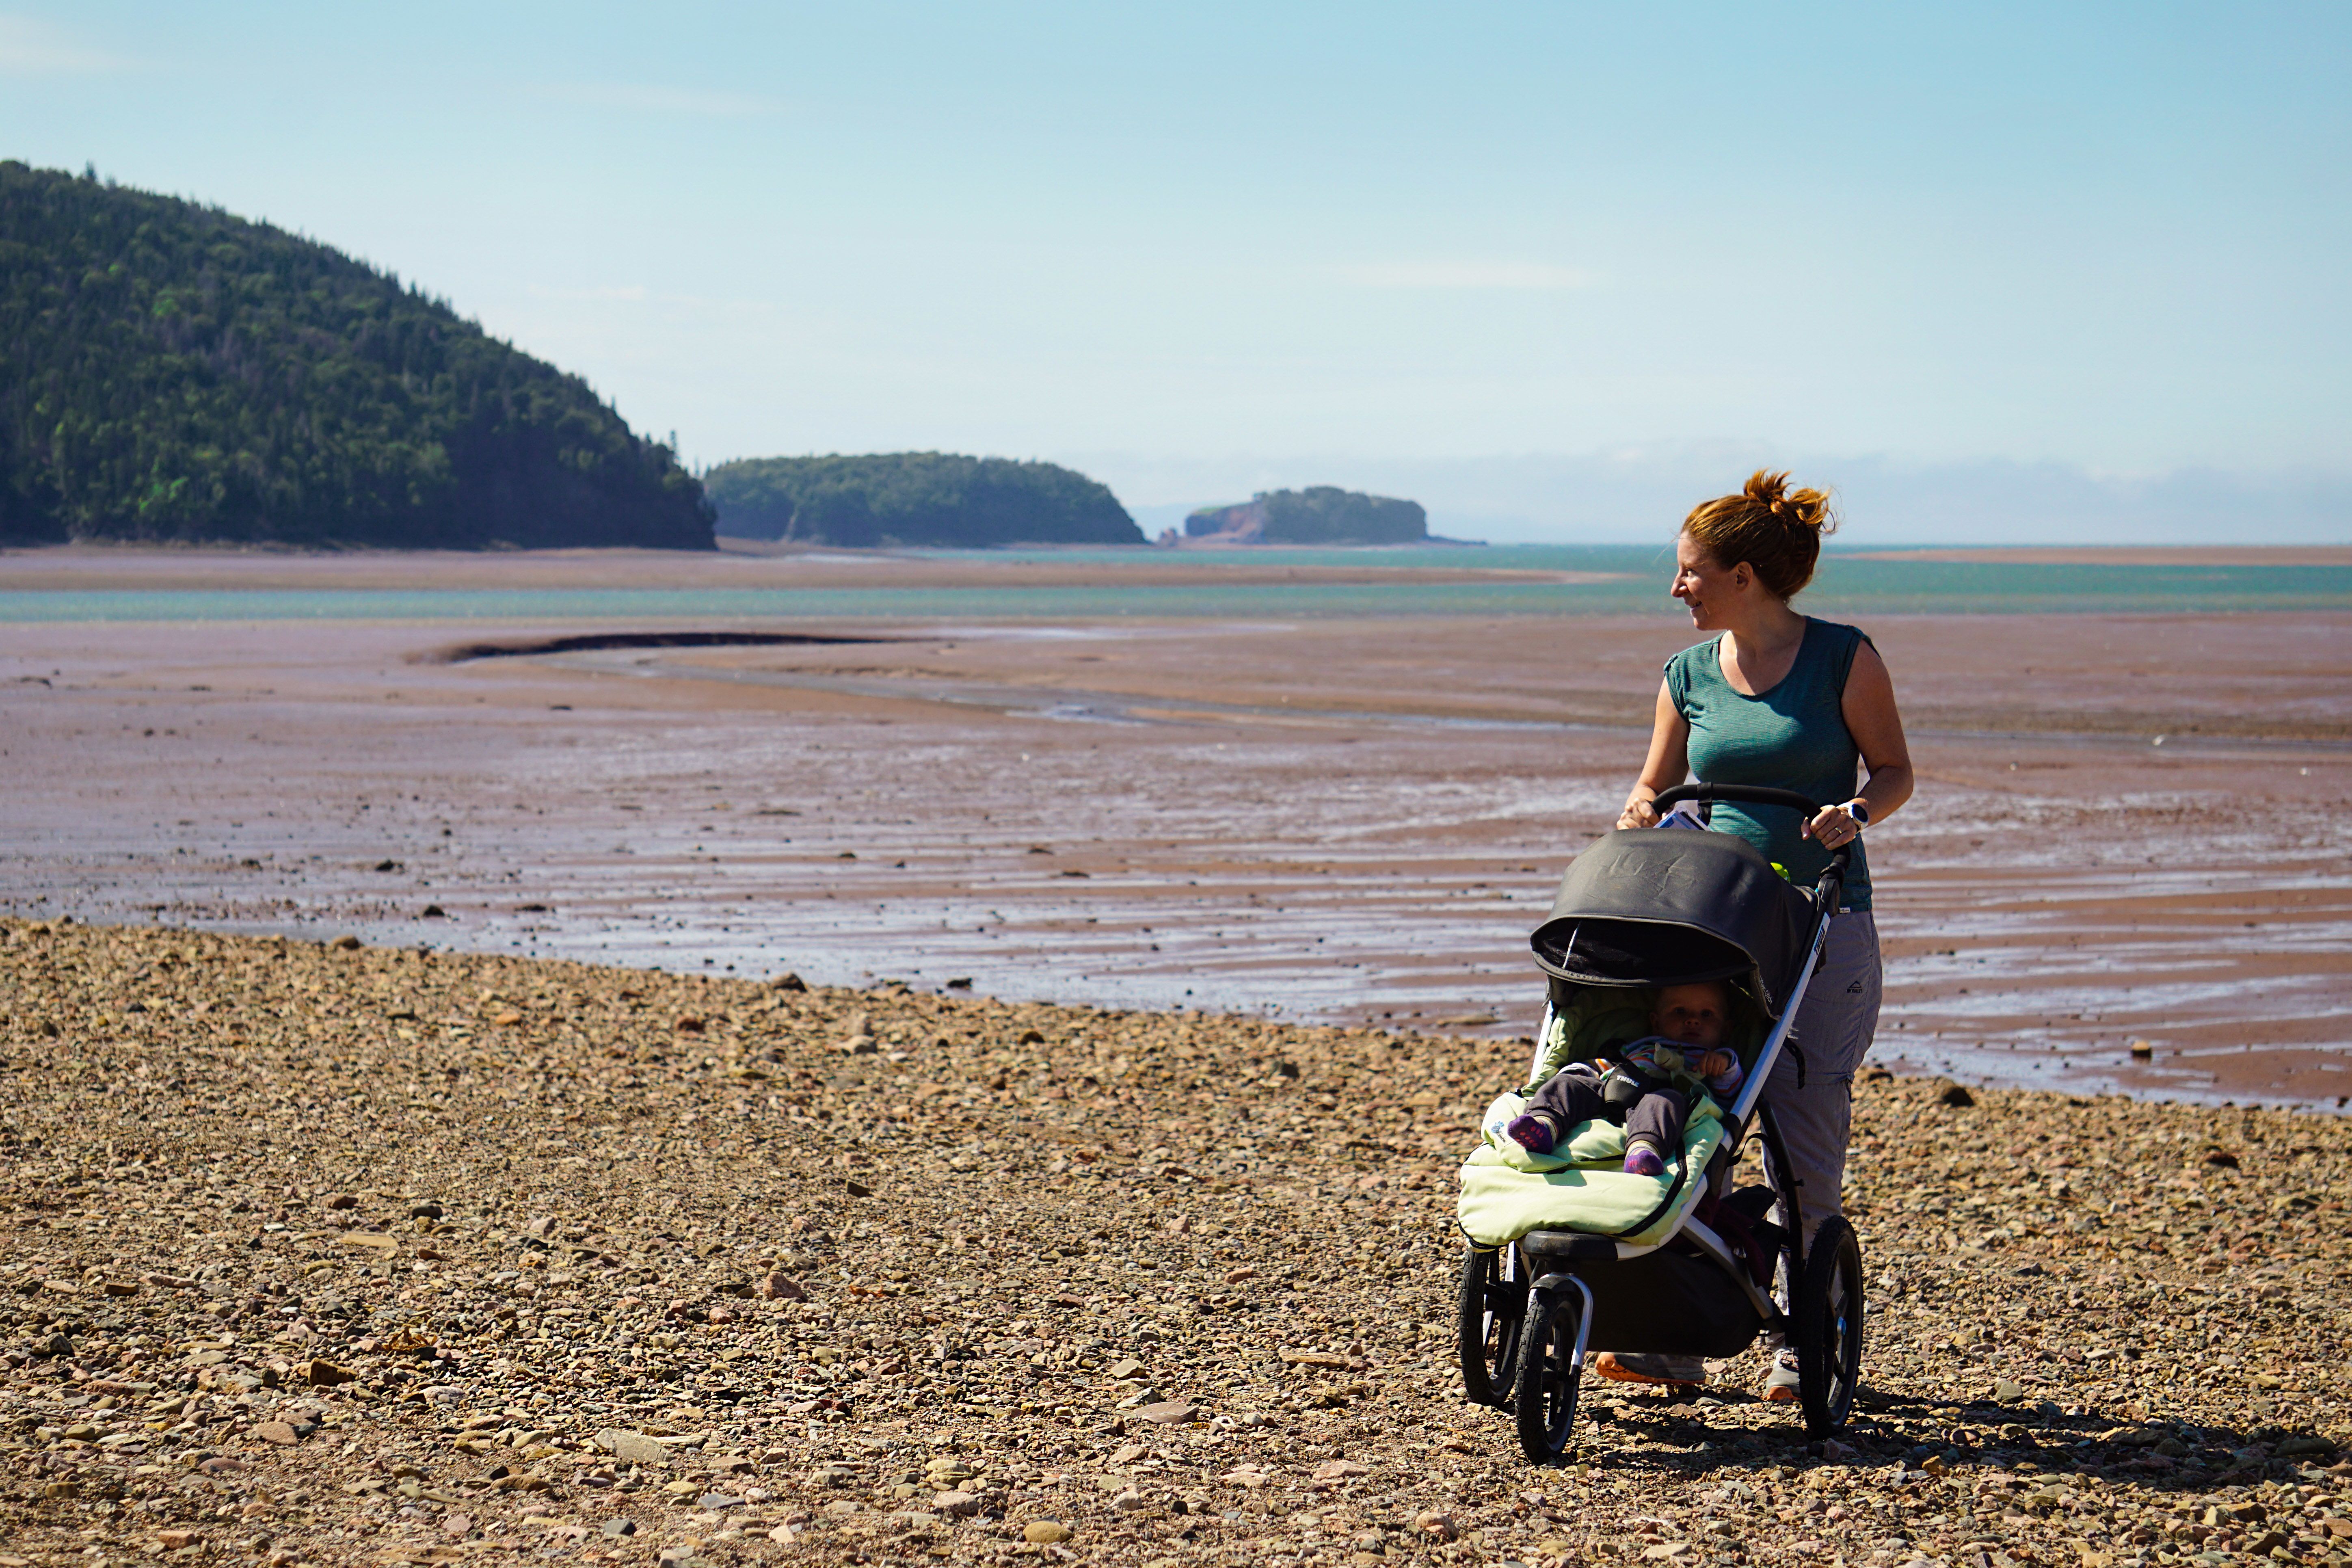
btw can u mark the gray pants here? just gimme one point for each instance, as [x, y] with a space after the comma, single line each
[1833, 1031]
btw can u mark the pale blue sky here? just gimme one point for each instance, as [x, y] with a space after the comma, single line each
[1195, 249]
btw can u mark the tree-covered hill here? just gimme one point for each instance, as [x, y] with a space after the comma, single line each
[1320, 515]
[171, 373]
[916, 498]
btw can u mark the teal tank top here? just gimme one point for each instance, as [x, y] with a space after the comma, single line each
[1790, 737]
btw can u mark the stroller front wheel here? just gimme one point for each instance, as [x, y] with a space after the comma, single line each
[1829, 1327]
[1494, 1302]
[1551, 1366]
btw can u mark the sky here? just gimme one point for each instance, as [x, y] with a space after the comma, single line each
[1995, 271]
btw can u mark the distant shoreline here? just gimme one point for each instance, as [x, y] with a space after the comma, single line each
[2117, 555]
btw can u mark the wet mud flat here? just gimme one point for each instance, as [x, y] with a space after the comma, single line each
[320, 1253]
[1335, 821]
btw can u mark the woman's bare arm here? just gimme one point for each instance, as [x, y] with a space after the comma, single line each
[1876, 726]
[1669, 760]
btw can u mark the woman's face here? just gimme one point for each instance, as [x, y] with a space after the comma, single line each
[1707, 590]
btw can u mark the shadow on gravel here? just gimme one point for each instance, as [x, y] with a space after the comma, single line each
[1957, 1438]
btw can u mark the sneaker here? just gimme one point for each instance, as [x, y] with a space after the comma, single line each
[1663, 1370]
[1781, 1383]
[1641, 1160]
[1532, 1134]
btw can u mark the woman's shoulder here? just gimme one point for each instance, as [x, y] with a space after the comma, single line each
[1698, 656]
[1836, 642]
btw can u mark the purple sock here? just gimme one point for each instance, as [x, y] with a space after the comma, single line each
[1532, 1134]
[1641, 1160]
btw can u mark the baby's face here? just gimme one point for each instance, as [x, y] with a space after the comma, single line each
[1692, 1015]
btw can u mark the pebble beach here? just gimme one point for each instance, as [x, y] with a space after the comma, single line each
[327, 1253]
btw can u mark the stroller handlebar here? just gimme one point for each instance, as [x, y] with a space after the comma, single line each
[1751, 795]
[1742, 794]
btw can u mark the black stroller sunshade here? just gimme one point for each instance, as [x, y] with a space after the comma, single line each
[1670, 906]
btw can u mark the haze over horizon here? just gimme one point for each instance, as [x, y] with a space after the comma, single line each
[1554, 270]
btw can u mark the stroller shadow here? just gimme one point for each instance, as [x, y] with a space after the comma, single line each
[1726, 1430]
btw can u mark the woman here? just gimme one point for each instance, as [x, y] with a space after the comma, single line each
[1781, 699]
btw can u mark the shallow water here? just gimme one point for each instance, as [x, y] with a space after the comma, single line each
[1632, 581]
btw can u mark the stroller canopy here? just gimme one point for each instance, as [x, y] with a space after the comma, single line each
[1668, 907]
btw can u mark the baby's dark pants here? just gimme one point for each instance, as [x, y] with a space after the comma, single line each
[1573, 1094]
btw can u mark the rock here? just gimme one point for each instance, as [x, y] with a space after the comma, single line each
[620, 1527]
[1956, 1096]
[325, 1374]
[1045, 1532]
[2007, 1390]
[342, 1201]
[788, 981]
[178, 1539]
[346, 943]
[1166, 1413]
[1338, 1470]
[279, 1432]
[1436, 1526]
[960, 1504]
[1132, 1502]
[457, 1524]
[781, 1287]
[634, 1446]
[1122, 1371]
[1834, 1452]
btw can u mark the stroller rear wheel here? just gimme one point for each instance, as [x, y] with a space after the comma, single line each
[1828, 1328]
[1551, 1365]
[1494, 1303]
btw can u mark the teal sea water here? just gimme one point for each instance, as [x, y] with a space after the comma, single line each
[1846, 587]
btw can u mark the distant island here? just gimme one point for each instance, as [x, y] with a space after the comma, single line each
[169, 372]
[915, 498]
[1320, 515]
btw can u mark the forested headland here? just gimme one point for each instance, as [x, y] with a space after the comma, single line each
[169, 371]
[1320, 515]
[916, 498]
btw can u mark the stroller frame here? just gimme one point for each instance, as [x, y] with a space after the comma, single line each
[1529, 1307]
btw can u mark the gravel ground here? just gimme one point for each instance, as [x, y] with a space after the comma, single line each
[321, 1254]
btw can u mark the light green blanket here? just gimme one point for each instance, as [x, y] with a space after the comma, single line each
[1507, 1191]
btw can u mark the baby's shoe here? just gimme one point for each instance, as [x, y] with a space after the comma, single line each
[1532, 1134]
[1641, 1160]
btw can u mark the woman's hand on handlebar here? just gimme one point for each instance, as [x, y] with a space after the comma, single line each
[1833, 827]
[1638, 813]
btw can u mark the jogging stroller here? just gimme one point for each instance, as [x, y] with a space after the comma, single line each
[1568, 1252]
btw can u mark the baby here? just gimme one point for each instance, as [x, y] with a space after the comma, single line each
[1686, 1036]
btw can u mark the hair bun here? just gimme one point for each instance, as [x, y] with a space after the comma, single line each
[1807, 508]
[1772, 530]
